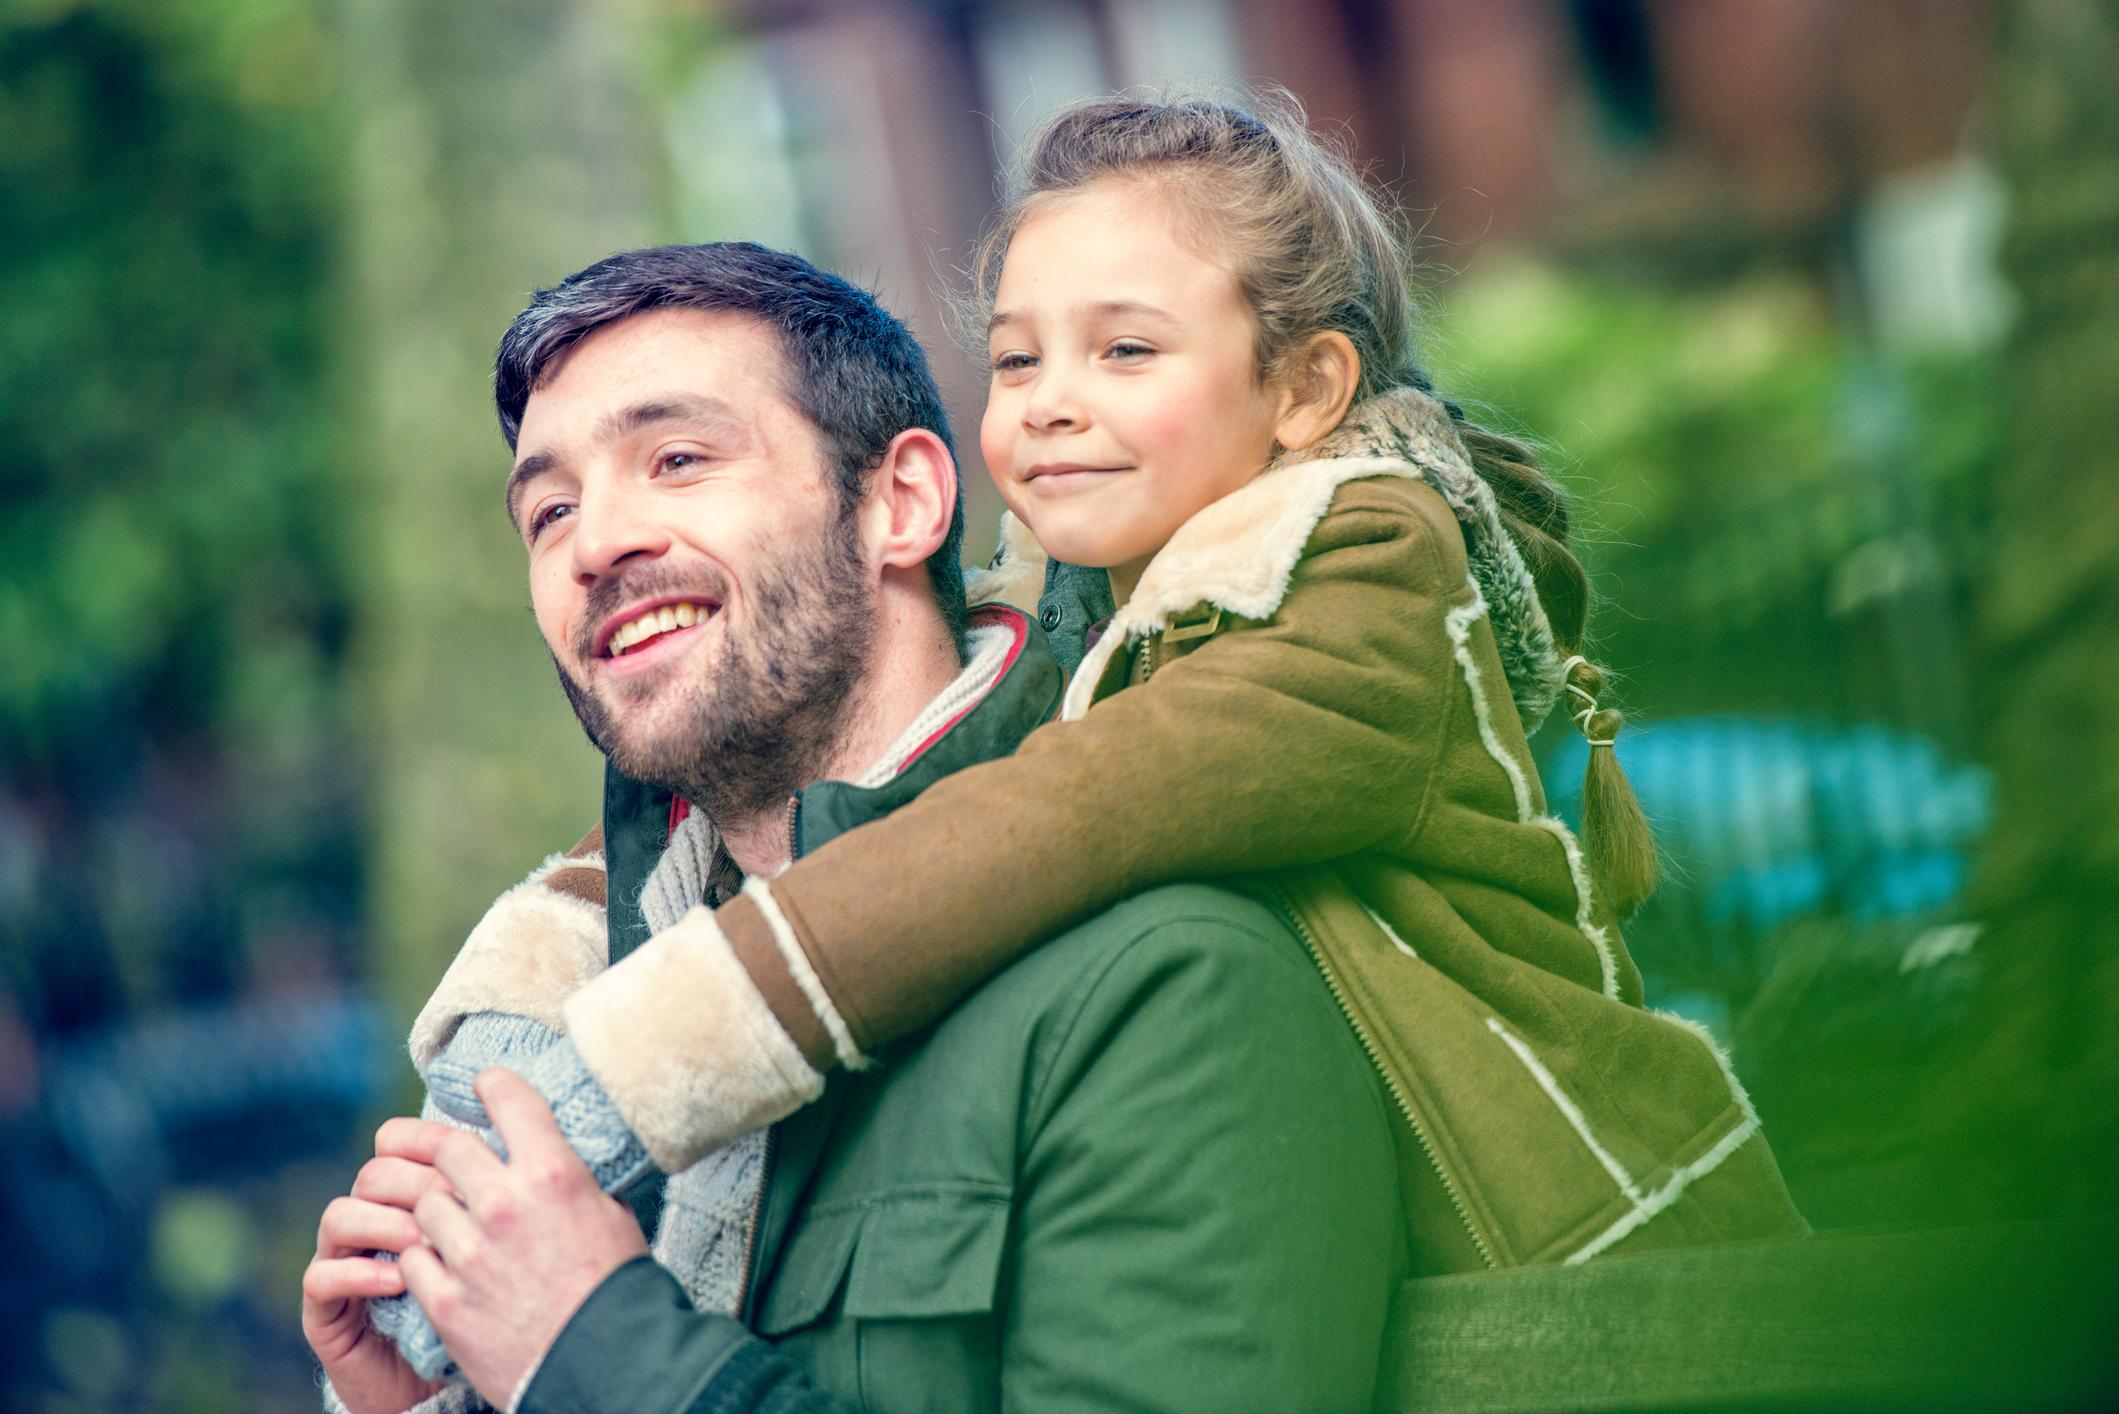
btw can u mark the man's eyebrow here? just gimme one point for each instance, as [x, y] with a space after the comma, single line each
[617, 424]
[625, 421]
[530, 467]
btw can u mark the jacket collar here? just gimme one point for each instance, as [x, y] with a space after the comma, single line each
[1024, 695]
[1239, 553]
[637, 817]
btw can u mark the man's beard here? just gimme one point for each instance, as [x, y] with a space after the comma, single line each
[761, 719]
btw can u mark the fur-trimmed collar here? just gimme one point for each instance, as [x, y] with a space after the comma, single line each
[1239, 553]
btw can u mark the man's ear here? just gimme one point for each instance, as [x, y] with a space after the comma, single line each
[911, 499]
[1316, 389]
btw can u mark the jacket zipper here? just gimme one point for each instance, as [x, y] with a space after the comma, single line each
[765, 1165]
[1331, 982]
[1148, 665]
[750, 1230]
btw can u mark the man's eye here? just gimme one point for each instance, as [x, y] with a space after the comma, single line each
[680, 462]
[543, 517]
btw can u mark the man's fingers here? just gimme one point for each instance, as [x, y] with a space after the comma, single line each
[520, 1115]
[466, 1163]
[448, 1229]
[351, 1279]
[353, 1225]
[397, 1182]
[438, 1293]
[408, 1138]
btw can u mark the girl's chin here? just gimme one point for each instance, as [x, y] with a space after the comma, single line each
[1084, 546]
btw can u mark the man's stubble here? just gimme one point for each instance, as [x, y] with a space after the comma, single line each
[764, 718]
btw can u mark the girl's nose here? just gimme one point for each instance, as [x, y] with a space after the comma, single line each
[1052, 403]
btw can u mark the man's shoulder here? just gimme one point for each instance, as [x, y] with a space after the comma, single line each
[1229, 931]
[1159, 979]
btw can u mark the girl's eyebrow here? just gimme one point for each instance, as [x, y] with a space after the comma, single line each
[1103, 309]
[1131, 308]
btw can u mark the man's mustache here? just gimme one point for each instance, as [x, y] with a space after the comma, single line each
[609, 596]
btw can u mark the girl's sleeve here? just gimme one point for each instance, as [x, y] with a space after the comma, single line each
[538, 942]
[1307, 737]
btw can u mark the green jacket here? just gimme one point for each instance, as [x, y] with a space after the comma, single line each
[1146, 1167]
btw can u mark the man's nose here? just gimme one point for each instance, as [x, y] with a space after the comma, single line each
[612, 528]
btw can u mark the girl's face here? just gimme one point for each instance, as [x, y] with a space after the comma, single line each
[1125, 393]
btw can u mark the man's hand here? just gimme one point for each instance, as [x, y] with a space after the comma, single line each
[341, 1279]
[514, 1251]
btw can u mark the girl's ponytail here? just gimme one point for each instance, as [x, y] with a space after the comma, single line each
[1621, 845]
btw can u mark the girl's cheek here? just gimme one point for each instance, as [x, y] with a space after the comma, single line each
[995, 443]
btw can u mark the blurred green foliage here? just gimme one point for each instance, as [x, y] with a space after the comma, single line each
[165, 229]
[1754, 485]
[172, 596]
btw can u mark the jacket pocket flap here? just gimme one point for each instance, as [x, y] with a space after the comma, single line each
[811, 1271]
[934, 1254]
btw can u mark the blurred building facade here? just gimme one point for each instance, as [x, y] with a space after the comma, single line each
[1686, 138]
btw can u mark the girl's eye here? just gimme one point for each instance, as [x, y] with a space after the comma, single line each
[1014, 362]
[1129, 351]
[543, 516]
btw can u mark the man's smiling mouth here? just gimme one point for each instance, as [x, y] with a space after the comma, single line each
[649, 625]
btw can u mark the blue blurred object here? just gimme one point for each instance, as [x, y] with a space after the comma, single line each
[1770, 820]
[192, 1094]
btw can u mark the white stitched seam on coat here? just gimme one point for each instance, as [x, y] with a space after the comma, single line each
[1578, 872]
[1721, 1058]
[1459, 623]
[805, 975]
[1663, 1197]
[1389, 932]
[1567, 1107]
[1644, 1205]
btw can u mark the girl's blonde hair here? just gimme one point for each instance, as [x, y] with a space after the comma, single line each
[1313, 249]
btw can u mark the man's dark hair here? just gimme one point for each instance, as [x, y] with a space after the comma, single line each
[858, 374]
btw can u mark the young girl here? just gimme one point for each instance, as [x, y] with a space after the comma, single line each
[1341, 609]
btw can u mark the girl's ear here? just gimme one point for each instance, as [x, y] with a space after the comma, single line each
[1319, 387]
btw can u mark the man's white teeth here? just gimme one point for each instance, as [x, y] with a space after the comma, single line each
[662, 620]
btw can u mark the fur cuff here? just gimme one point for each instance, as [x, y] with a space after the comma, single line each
[686, 1046]
[534, 948]
[1016, 577]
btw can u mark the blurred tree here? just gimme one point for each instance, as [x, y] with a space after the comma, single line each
[2033, 1101]
[497, 147]
[177, 780]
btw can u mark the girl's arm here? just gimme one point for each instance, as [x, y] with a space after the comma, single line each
[1311, 736]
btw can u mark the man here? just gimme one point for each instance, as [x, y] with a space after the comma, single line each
[1147, 1166]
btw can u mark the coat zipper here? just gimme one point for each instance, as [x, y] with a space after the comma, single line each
[1331, 982]
[765, 1165]
[1148, 665]
[750, 1229]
